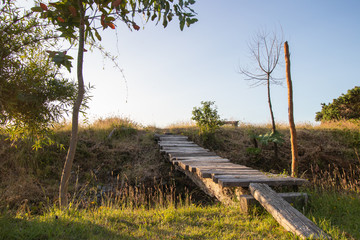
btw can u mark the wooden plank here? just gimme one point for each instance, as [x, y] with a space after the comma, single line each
[189, 153]
[196, 158]
[184, 149]
[270, 181]
[176, 142]
[208, 161]
[183, 154]
[241, 175]
[178, 145]
[177, 138]
[190, 165]
[247, 202]
[198, 166]
[287, 216]
[207, 172]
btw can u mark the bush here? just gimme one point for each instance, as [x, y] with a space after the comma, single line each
[206, 117]
[347, 106]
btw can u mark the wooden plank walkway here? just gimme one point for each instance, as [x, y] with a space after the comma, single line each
[228, 182]
[190, 157]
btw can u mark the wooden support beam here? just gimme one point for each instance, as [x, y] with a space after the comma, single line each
[247, 202]
[276, 181]
[287, 216]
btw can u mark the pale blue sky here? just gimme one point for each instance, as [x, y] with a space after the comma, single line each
[169, 72]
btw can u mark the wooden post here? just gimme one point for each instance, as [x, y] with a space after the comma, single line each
[294, 150]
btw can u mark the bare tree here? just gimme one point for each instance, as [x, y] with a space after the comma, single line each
[265, 49]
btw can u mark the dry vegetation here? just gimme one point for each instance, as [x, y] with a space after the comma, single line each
[328, 153]
[118, 167]
[129, 157]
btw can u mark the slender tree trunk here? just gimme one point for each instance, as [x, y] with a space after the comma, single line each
[294, 150]
[63, 190]
[270, 105]
[272, 116]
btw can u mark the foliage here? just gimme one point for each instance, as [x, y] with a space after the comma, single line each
[34, 95]
[274, 137]
[346, 107]
[103, 14]
[206, 117]
[78, 22]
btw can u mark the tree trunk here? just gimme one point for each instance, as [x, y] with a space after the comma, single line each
[294, 150]
[63, 190]
[272, 116]
[270, 105]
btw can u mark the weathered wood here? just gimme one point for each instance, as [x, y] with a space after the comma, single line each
[224, 195]
[270, 181]
[191, 166]
[186, 154]
[178, 145]
[240, 175]
[287, 216]
[196, 158]
[210, 172]
[215, 175]
[247, 202]
[183, 149]
[173, 138]
[177, 142]
[207, 161]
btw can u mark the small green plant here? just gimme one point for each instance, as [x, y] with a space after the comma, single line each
[274, 137]
[253, 151]
[206, 117]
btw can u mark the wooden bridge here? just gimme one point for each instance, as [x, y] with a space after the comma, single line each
[232, 183]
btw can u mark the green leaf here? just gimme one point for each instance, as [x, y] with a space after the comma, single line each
[170, 16]
[97, 35]
[110, 19]
[153, 17]
[165, 22]
[167, 8]
[182, 24]
[37, 9]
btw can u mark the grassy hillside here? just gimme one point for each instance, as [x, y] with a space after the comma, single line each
[121, 187]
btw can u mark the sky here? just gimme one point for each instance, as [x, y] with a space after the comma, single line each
[169, 72]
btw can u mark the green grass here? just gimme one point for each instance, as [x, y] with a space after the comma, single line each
[335, 212]
[186, 222]
[338, 214]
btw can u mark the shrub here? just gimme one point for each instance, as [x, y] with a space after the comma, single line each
[206, 117]
[347, 106]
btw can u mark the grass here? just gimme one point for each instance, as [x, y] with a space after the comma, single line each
[185, 222]
[332, 208]
[143, 197]
[338, 217]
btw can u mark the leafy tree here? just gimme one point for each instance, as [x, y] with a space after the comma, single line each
[347, 106]
[33, 94]
[79, 22]
[206, 117]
